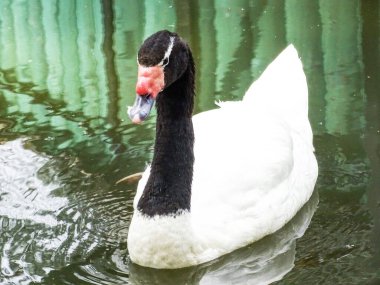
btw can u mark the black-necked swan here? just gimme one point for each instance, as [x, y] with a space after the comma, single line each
[224, 178]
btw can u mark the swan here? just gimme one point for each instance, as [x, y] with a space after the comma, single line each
[224, 178]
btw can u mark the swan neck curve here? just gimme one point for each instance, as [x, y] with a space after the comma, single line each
[168, 189]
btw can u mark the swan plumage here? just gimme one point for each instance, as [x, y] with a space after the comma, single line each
[254, 169]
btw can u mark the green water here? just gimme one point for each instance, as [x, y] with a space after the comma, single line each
[67, 72]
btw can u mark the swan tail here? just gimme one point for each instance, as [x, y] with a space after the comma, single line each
[282, 90]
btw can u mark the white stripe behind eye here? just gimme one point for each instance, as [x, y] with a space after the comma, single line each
[168, 52]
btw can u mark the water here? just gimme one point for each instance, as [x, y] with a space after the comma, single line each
[67, 73]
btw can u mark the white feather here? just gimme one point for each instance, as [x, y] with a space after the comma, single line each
[254, 169]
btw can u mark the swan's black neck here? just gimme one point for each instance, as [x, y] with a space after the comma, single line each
[168, 189]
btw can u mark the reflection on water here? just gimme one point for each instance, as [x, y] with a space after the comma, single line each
[67, 72]
[53, 214]
[23, 179]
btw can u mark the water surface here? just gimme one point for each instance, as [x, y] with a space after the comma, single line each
[67, 73]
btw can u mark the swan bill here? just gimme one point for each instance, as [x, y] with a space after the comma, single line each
[141, 108]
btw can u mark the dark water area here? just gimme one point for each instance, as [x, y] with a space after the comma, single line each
[67, 72]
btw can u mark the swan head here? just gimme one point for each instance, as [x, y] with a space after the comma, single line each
[162, 59]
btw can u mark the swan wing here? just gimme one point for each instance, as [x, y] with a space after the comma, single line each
[255, 165]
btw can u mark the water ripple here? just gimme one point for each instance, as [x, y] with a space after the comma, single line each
[44, 224]
[24, 195]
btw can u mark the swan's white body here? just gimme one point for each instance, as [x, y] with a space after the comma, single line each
[254, 169]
